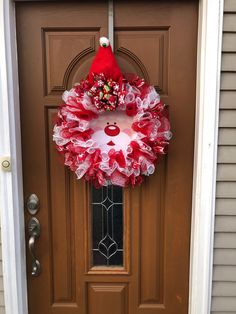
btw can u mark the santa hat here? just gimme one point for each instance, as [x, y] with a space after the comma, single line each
[105, 62]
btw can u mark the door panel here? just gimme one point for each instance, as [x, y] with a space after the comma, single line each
[56, 44]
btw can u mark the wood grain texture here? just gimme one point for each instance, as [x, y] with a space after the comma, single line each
[65, 52]
[154, 294]
[59, 288]
[156, 42]
[112, 298]
[56, 43]
[152, 222]
[61, 234]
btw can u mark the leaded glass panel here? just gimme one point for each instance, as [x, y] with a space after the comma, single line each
[107, 226]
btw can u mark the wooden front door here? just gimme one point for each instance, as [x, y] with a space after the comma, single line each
[108, 251]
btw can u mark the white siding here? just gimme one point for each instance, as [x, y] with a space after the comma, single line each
[224, 268]
[2, 308]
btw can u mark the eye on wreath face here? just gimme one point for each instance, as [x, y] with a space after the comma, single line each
[112, 130]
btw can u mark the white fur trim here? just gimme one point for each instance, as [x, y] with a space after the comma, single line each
[104, 42]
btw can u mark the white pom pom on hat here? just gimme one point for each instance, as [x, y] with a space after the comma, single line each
[105, 63]
[104, 42]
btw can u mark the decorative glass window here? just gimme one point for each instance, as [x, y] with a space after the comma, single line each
[107, 226]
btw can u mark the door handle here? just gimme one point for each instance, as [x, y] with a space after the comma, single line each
[34, 233]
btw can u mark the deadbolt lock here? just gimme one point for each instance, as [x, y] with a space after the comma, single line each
[33, 204]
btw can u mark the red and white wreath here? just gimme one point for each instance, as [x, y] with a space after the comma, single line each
[111, 128]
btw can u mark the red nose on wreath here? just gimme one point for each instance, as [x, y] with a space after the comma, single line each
[112, 130]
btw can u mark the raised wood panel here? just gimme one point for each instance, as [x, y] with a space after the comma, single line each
[154, 65]
[227, 289]
[62, 234]
[227, 154]
[228, 100]
[226, 172]
[68, 54]
[228, 62]
[229, 22]
[226, 206]
[227, 136]
[227, 118]
[151, 237]
[229, 42]
[113, 298]
[225, 224]
[224, 256]
[225, 240]
[153, 293]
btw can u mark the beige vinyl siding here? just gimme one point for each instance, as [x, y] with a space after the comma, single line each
[224, 268]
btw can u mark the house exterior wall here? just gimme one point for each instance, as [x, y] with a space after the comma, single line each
[2, 307]
[224, 269]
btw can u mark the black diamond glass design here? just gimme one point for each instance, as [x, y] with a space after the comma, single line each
[107, 226]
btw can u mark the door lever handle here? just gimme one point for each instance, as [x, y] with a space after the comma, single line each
[34, 233]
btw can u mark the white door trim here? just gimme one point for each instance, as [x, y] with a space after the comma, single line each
[207, 108]
[205, 154]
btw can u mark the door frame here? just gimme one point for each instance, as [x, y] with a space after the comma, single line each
[205, 158]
